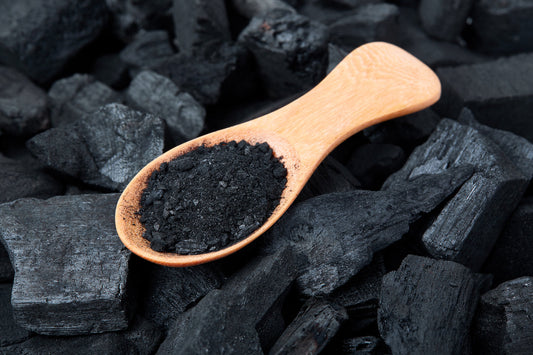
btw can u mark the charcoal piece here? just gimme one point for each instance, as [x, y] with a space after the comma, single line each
[38, 37]
[147, 50]
[6, 270]
[168, 292]
[373, 163]
[374, 22]
[76, 97]
[499, 93]
[503, 323]
[444, 19]
[330, 176]
[10, 332]
[251, 8]
[426, 306]
[470, 222]
[291, 51]
[225, 320]
[23, 106]
[158, 95]
[111, 70]
[502, 27]
[200, 25]
[338, 233]
[20, 179]
[106, 149]
[71, 240]
[511, 256]
[314, 326]
[365, 345]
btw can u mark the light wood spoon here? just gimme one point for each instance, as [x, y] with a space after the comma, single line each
[376, 82]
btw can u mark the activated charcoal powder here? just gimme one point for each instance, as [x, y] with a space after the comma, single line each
[211, 197]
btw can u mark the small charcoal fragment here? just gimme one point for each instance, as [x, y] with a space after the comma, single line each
[147, 50]
[444, 19]
[504, 320]
[23, 106]
[314, 326]
[71, 267]
[76, 97]
[291, 51]
[159, 96]
[10, 332]
[211, 197]
[426, 306]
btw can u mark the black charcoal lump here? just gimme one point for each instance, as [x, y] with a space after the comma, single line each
[39, 36]
[70, 267]
[76, 97]
[291, 51]
[106, 149]
[444, 19]
[23, 106]
[158, 95]
[426, 306]
[504, 320]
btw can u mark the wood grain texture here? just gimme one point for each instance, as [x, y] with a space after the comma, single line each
[374, 83]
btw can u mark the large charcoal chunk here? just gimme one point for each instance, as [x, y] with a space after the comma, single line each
[251, 8]
[291, 51]
[200, 25]
[147, 50]
[504, 321]
[38, 37]
[374, 22]
[426, 306]
[314, 326]
[469, 224]
[23, 106]
[158, 95]
[106, 149]
[338, 233]
[225, 320]
[76, 97]
[19, 179]
[499, 93]
[503, 26]
[444, 19]
[70, 266]
[10, 332]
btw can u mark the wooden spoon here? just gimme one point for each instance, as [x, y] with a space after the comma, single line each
[374, 83]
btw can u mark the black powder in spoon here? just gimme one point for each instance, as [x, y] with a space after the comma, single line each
[211, 197]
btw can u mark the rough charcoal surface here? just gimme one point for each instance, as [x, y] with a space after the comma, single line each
[444, 19]
[76, 97]
[211, 197]
[337, 234]
[470, 222]
[291, 51]
[38, 37]
[158, 95]
[70, 266]
[10, 332]
[426, 306]
[23, 106]
[106, 149]
[503, 323]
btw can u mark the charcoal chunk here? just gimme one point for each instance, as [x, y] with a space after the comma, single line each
[444, 19]
[147, 50]
[502, 27]
[106, 149]
[426, 306]
[503, 323]
[225, 320]
[251, 8]
[470, 222]
[291, 51]
[499, 93]
[76, 97]
[70, 266]
[38, 37]
[23, 106]
[200, 25]
[314, 326]
[10, 332]
[20, 179]
[373, 22]
[155, 94]
[338, 233]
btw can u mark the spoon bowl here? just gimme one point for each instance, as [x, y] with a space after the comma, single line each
[375, 82]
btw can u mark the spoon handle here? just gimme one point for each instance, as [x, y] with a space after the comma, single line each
[375, 82]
